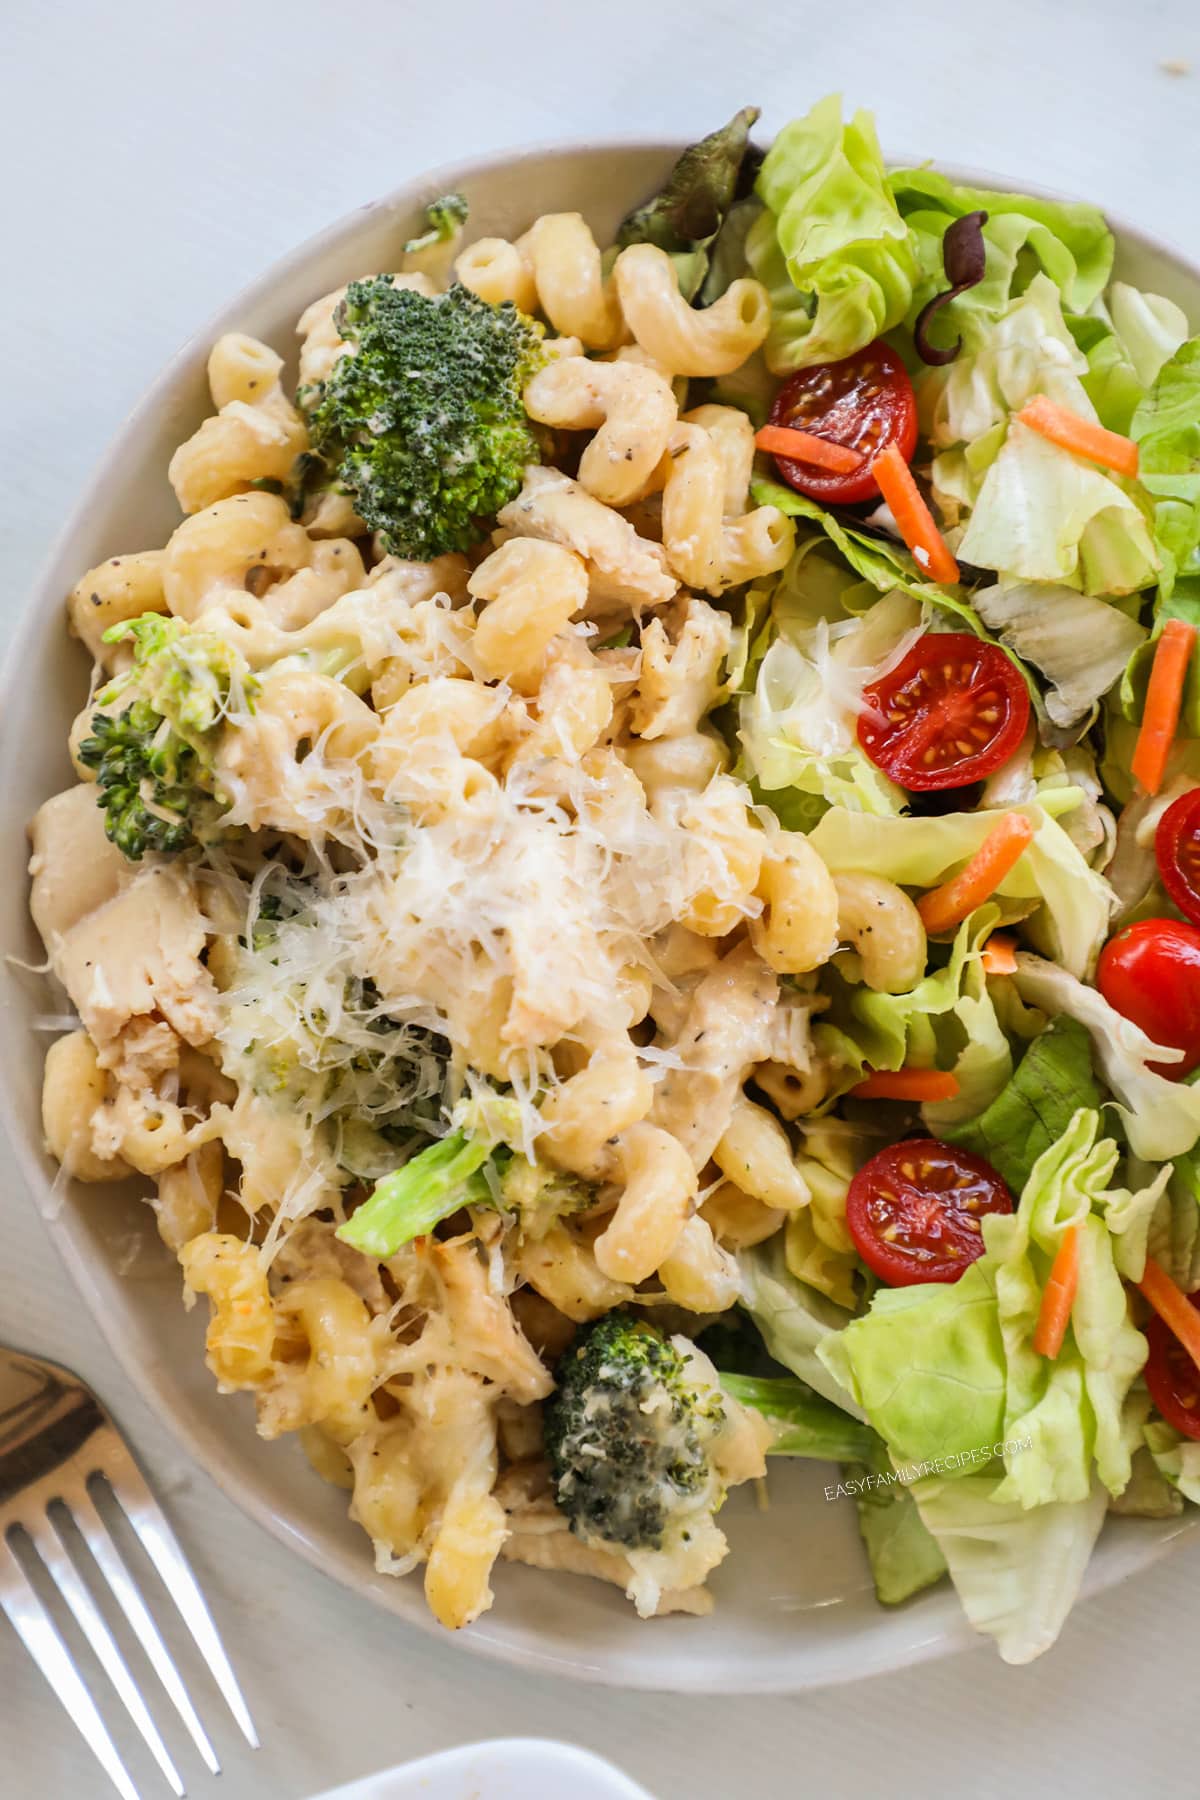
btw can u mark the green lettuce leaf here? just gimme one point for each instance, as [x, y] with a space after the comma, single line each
[1070, 1411]
[1017, 1572]
[1075, 902]
[1150, 1494]
[903, 1555]
[830, 246]
[1160, 1118]
[1174, 1238]
[793, 1319]
[1166, 428]
[1033, 511]
[1081, 645]
[926, 1365]
[1045, 515]
[1126, 341]
[818, 1247]
[804, 1423]
[1067, 241]
[1052, 1081]
[1182, 602]
[1066, 784]
[1177, 1458]
[1005, 360]
[686, 216]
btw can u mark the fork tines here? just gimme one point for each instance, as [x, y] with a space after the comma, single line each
[58, 1452]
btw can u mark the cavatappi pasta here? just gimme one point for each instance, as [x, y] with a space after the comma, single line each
[477, 852]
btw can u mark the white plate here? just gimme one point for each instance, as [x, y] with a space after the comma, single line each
[505, 1769]
[795, 1607]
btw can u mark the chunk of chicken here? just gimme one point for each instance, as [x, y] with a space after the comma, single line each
[139, 953]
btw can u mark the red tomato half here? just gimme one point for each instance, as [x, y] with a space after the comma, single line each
[950, 713]
[1172, 1377]
[914, 1210]
[865, 402]
[1150, 973]
[1177, 852]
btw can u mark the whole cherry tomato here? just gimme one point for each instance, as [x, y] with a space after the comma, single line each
[1150, 973]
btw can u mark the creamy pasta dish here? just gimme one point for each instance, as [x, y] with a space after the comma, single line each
[634, 862]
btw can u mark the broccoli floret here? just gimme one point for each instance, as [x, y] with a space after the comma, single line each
[444, 219]
[423, 423]
[538, 1195]
[627, 1435]
[153, 760]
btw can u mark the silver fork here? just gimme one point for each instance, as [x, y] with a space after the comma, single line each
[58, 1448]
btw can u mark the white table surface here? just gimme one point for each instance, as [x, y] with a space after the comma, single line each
[155, 157]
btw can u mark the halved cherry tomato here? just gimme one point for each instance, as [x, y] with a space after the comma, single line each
[949, 714]
[1172, 1377]
[1150, 973]
[1177, 852]
[914, 1210]
[864, 402]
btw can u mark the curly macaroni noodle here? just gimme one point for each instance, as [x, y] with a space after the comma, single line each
[712, 342]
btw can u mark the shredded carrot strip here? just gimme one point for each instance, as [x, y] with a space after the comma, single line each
[999, 956]
[1080, 436]
[805, 446]
[1164, 697]
[907, 1084]
[1059, 1296]
[914, 521]
[1172, 1306]
[948, 905]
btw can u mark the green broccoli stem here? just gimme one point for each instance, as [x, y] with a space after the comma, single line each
[805, 1423]
[410, 1201]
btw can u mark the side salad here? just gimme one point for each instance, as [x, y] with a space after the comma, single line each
[976, 678]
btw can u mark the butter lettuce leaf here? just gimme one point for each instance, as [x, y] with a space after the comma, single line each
[830, 247]
[1067, 241]
[793, 1319]
[799, 726]
[1005, 360]
[1166, 428]
[880, 560]
[903, 1554]
[1175, 1457]
[946, 1021]
[1052, 1081]
[1126, 337]
[1081, 645]
[1174, 1237]
[1017, 1572]
[1044, 515]
[927, 1367]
